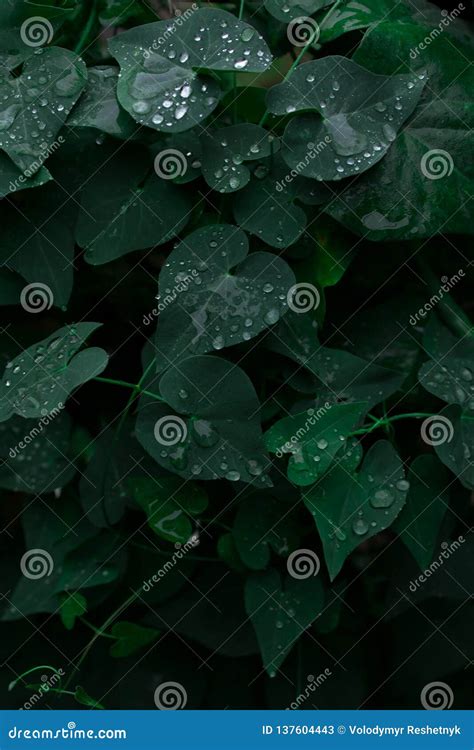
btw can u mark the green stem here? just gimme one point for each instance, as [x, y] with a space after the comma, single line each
[124, 384]
[87, 30]
[30, 671]
[366, 429]
[100, 631]
[96, 630]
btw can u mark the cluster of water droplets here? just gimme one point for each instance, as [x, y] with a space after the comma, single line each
[35, 382]
[218, 459]
[231, 174]
[225, 308]
[34, 105]
[453, 385]
[359, 140]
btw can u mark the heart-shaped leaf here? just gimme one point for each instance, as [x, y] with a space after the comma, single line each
[225, 151]
[280, 611]
[160, 84]
[35, 105]
[214, 295]
[349, 509]
[313, 439]
[72, 606]
[123, 209]
[353, 114]
[38, 381]
[170, 505]
[130, 638]
[215, 436]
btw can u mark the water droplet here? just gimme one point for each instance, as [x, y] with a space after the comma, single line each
[360, 526]
[382, 499]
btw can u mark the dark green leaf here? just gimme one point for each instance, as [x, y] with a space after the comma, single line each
[38, 381]
[349, 509]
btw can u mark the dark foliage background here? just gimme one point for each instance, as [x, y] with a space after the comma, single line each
[94, 504]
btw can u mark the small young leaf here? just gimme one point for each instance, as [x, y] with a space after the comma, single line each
[130, 638]
[72, 606]
[170, 505]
